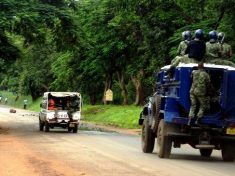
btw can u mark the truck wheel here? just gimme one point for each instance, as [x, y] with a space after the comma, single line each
[41, 125]
[69, 129]
[75, 129]
[228, 152]
[164, 142]
[47, 128]
[147, 137]
[156, 113]
[206, 152]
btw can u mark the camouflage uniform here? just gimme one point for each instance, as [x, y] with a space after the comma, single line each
[180, 52]
[213, 51]
[222, 62]
[182, 47]
[226, 51]
[198, 93]
[184, 59]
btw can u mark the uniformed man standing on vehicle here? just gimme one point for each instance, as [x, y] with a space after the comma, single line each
[198, 93]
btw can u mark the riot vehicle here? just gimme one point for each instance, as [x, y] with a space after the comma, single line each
[165, 116]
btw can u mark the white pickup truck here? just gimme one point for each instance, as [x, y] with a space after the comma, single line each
[60, 109]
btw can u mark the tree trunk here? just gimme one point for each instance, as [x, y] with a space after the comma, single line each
[222, 11]
[35, 94]
[139, 96]
[122, 85]
[107, 85]
[92, 98]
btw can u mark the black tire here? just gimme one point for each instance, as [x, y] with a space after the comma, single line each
[75, 129]
[206, 152]
[147, 137]
[228, 152]
[156, 114]
[69, 129]
[164, 142]
[41, 125]
[47, 128]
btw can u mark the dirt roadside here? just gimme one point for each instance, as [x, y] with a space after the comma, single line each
[97, 127]
[17, 158]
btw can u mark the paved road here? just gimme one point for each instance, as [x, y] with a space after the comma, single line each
[26, 151]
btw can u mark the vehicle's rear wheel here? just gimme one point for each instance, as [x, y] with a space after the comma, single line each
[164, 142]
[147, 137]
[228, 152]
[47, 128]
[206, 152]
[75, 129]
[41, 125]
[69, 129]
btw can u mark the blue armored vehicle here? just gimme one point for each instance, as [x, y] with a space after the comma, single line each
[165, 116]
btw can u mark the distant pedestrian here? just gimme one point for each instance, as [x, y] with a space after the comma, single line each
[17, 97]
[6, 100]
[0, 99]
[25, 103]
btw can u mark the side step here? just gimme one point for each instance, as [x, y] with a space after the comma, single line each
[204, 146]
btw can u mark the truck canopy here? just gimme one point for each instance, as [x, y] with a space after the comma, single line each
[62, 94]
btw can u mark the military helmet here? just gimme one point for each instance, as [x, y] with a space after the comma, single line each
[213, 35]
[187, 35]
[199, 34]
[221, 36]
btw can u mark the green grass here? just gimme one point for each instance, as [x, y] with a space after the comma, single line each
[112, 115]
[118, 116]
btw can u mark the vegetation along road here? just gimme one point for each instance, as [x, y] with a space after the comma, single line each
[27, 151]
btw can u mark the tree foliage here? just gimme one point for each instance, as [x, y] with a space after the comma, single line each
[93, 45]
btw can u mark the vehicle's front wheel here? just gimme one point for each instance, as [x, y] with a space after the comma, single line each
[228, 152]
[206, 152]
[147, 137]
[47, 128]
[164, 142]
[75, 129]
